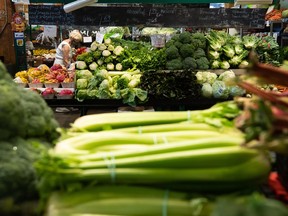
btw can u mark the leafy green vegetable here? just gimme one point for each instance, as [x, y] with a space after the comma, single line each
[171, 84]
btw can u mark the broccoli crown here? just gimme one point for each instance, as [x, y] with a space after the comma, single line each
[19, 105]
[174, 64]
[185, 37]
[199, 40]
[199, 53]
[203, 63]
[187, 50]
[189, 63]
[172, 52]
[17, 159]
[178, 44]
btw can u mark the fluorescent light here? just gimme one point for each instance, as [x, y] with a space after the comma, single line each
[244, 2]
[77, 5]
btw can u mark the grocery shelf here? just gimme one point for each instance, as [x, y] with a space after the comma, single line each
[158, 104]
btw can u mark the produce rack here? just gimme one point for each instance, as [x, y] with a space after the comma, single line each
[158, 104]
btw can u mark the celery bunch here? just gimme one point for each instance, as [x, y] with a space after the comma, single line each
[176, 150]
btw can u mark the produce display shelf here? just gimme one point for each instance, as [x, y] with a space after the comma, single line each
[158, 104]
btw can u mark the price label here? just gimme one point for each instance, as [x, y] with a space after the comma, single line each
[99, 37]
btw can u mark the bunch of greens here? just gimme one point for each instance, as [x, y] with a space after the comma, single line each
[186, 51]
[101, 55]
[226, 51]
[102, 84]
[268, 51]
[176, 85]
[141, 56]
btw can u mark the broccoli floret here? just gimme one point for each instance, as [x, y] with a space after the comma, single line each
[172, 53]
[178, 44]
[174, 64]
[189, 63]
[185, 37]
[199, 40]
[187, 50]
[199, 53]
[202, 63]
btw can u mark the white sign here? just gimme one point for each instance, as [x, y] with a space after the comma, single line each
[99, 37]
[50, 31]
[87, 39]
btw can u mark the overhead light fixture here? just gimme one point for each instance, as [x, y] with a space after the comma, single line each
[77, 5]
[244, 2]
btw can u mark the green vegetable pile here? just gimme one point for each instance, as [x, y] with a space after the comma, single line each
[226, 51]
[186, 51]
[176, 85]
[220, 87]
[27, 128]
[101, 84]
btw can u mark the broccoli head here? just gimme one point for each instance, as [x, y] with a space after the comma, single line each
[18, 175]
[185, 37]
[199, 40]
[178, 44]
[187, 50]
[96, 54]
[172, 52]
[20, 105]
[189, 63]
[199, 53]
[203, 63]
[174, 64]
[29, 108]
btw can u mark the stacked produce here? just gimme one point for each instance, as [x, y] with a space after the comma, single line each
[177, 85]
[219, 86]
[226, 51]
[185, 151]
[186, 51]
[27, 128]
[113, 73]
[44, 75]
